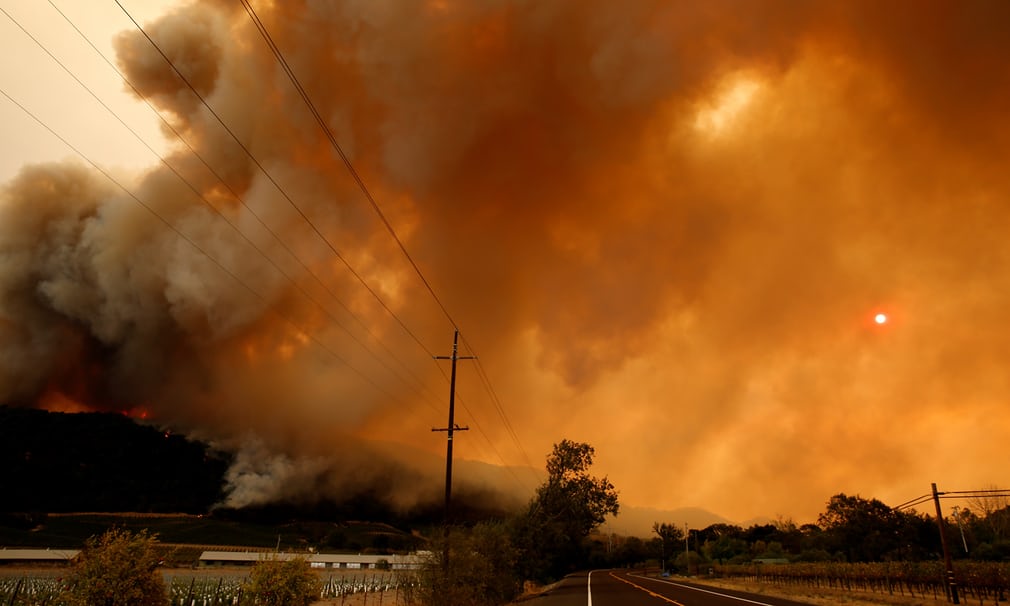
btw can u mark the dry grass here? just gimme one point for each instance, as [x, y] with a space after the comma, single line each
[822, 596]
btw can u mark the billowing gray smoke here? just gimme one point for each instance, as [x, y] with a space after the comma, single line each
[662, 225]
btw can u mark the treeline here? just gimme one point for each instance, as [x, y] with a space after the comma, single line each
[60, 462]
[851, 529]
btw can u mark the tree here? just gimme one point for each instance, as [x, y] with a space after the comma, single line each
[993, 506]
[670, 537]
[275, 582]
[117, 568]
[562, 513]
[866, 530]
[632, 551]
[481, 571]
[726, 548]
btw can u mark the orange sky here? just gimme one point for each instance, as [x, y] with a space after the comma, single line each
[665, 228]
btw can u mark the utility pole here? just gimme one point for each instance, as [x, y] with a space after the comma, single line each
[687, 552]
[951, 583]
[450, 429]
[957, 516]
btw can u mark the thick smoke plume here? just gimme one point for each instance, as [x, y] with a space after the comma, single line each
[664, 226]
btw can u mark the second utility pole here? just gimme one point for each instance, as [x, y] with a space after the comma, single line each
[449, 429]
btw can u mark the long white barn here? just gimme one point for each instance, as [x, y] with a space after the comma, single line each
[316, 560]
[37, 556]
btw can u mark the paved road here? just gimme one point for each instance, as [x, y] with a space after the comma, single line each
[623, 588]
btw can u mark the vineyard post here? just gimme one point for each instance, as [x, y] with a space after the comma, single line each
[951, 583]
[17, 590]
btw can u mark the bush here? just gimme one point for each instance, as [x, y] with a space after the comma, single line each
[274, 582]
[117, 569]
[481, 569]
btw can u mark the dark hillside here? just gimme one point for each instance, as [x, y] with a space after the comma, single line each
[61, 462]
[54, 465]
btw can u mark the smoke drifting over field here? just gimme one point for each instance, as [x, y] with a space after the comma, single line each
[664, 226]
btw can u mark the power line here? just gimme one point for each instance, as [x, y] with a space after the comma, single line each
[419, 385]
[347, 162]
[490, 444]
[232, 225]
[282, 61]
[265, 226]
[486, 380]
[202, 197]
[953, 494]
[273, 181]
[300, 330]
[270, 177]
[357, 179]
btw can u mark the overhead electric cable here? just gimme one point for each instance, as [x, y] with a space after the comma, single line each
[347, 162]
[482, 373]
[299, 330]
[279, 55]
[954, 494]
[270, 177]
[916, 501]
[497, 454]
[273, 181]
[998, 492]
[199, 194]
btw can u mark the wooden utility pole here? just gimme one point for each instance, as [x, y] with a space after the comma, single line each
[687, 551]
[450, 429]
[951, 583]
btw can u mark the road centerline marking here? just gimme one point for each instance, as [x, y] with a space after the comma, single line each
[698, 589]
[648, 591]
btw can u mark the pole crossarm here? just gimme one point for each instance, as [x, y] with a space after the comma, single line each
[456, 428]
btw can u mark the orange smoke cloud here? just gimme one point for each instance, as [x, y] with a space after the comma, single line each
[661, 225]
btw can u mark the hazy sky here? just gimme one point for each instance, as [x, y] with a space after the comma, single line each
[666, 229]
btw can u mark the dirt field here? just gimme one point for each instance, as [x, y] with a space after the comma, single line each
[364, 599]
[388, 598]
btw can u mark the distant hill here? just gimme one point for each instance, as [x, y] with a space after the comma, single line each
[74, 462]
[56, 462]
[638, 521]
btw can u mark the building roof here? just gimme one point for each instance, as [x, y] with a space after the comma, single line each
[35, 555]
[328, 558]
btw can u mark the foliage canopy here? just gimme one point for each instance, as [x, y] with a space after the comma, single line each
[564, 510]
[117, 568]
[275, 582]
[481, 571]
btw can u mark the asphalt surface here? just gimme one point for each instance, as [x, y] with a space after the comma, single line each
[624, 588]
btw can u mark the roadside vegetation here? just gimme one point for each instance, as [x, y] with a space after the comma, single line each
[275, 582]
[116, 569]
[489, 563]
[857, 545]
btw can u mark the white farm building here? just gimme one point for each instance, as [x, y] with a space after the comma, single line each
[316, 560]
[29, 557]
